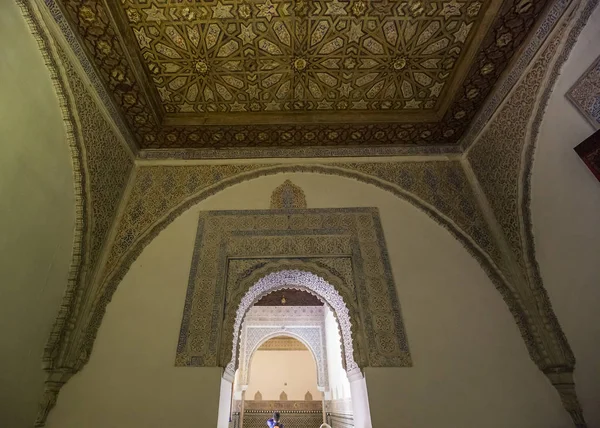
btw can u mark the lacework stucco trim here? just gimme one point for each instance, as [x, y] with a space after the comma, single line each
[81, 236]
[303, 280]
[531, 144]
[544, 30]
[287, 239]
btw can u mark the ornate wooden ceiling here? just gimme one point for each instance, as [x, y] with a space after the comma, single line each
[289, 297]
[282, 73]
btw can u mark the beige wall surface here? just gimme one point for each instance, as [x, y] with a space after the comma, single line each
[272, 372]
[339, 387]
[37, 216]
[471, 367]
[566, 222]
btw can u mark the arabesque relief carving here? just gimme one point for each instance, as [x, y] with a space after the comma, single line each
[214, 312]
[440, 188]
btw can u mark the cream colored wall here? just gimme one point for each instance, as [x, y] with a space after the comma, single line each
[339, 387]
[566, 222]
[272, 372]
[37, 216]
[471, 367]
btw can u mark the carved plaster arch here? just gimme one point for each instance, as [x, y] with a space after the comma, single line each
[294, 332]
[124, 262]
[304, 281]
[81, 237]
[314, 268]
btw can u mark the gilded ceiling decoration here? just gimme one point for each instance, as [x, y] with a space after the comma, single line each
[248, 73]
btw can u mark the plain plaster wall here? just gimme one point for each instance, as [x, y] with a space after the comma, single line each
[471, 367]
[37, 216]
[339, 387]
[566, 222]
[272, 372]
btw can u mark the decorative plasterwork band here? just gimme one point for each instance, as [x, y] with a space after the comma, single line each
[545, 28]
[560, 377]
[502, 158]
[81, 235]
[337, 254]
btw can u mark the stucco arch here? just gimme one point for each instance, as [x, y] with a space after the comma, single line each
[304, 281]
[123, 263]
[48, 50]
[320, 363]
[359, 342]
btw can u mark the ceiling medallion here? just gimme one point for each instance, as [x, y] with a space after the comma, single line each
[299, 64]
[359, 7]
[201, 66]
[399, 63]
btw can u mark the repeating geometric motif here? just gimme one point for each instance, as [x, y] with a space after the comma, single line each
[251, 56]
[513, 139]
[107, 164]
[585, 94]
[238, 283]
[400, 77]
[304, 419]
[282, 344]
[295, 235]
[312, 334]
[158, 190]
[288, 196]
[496, 156]
[81, 235]
[107, 161]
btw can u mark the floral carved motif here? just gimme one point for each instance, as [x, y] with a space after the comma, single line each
[585, 94]
[288, 196]
[275, 234]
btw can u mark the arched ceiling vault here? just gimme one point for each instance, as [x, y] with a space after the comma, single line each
[468, 197]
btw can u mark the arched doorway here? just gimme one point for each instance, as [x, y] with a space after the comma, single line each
[313, 314]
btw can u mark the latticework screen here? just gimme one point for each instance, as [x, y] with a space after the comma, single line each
[289, 419]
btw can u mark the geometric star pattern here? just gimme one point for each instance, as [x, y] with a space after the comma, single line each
[295, 73]
[263, 55]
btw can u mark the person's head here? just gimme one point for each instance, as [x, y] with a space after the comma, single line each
[276, 416]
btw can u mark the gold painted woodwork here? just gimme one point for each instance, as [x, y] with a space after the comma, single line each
[255, 61]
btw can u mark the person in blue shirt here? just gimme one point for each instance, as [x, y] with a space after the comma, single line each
[274, 421]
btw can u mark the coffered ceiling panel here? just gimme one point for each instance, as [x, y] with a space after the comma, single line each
[260, 73]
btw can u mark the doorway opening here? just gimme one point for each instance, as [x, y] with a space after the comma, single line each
[291, 355]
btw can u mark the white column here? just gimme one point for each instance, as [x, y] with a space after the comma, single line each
[224, 403]
[360, 401]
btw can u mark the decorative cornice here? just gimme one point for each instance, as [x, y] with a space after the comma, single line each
[552, 14]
